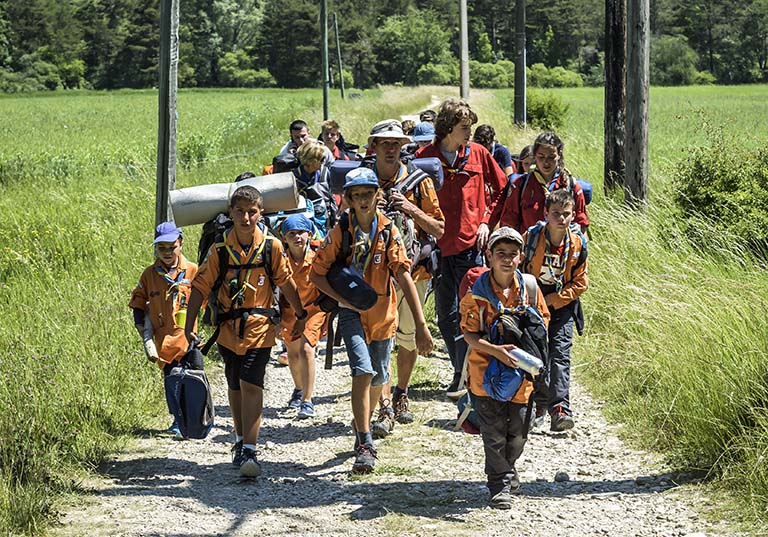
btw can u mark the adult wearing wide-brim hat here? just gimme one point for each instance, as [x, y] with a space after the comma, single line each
[389, 128]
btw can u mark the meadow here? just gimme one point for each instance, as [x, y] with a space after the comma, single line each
[675, 338]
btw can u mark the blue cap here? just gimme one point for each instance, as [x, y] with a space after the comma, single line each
[297, 222]
[167, 232]
[424, 132]
[361, 177]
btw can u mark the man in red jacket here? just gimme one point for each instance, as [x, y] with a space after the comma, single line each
[471, 202]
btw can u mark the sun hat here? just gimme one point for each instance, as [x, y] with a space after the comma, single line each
[167, 232]
[506, 233]
[389, 128]
[424, 132]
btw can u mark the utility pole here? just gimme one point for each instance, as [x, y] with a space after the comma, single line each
[520, 81]
[464, 48]
[615, 93]
[638, 30]
[166, 128]
[324, 50]
[338, 55]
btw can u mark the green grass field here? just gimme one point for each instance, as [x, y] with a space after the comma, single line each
[675, 340]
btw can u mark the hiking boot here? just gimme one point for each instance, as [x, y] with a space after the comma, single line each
[307, 410]
[249, 467]
[365, 459]
[295, 400]
[237, 454]
[385, 421]
[501, 500]
[560, 421]
[402, 414]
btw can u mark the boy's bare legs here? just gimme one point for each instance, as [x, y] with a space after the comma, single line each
[362, 394]
[295, 364]
[406, 361]
[307, 368]
[251, 409]
[235, 404]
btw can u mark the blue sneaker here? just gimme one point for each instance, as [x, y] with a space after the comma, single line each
[307, 410]
[175, 431]
[295, 400]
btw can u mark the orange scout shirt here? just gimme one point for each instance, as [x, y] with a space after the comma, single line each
[308, 293]
[379, 322]
[259, 331]
[470, 322]
[575, 282]
[429, 204]
[153, 289]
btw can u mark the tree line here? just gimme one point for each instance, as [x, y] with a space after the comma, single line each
[107, 44]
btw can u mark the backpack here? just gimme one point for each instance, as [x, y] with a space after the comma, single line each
[188, 394]
[217, 315]
[586, 187]
[529, 249]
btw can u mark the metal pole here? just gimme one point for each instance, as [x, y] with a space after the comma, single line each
[324, 50]
[338, 54]
[464, 46]
[636, 191]
[520, 61]
[166, 129]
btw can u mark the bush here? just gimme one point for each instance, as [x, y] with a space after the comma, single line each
[546, 111]
[719, 199]
[673, 61]
[439, 74]
[704, 78]
[235, 71]
[557, 77]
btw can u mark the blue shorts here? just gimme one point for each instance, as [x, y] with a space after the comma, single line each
[364, 359]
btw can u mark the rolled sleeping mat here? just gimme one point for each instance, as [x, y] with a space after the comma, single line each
[198, 204]
[338, 173]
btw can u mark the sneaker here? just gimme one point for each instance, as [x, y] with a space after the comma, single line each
[307, 410]
[538, 419]
[501, 500]
[514, 482]
[295, 400]
[365, 459]
[249, 467]
[402, 414]
[560, 421]
[455, 390]
[385, 421]
[175, 431]
[282, 358]
[237, 454]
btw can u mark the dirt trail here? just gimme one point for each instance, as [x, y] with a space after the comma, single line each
[429, 480]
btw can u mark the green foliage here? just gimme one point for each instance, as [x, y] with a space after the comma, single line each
[235, 72]
[673, 61]
[728, 183]
[438, 74]
[491, 75]
[546, 110]
[539, 76]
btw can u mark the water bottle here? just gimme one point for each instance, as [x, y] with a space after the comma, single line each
[527, 362]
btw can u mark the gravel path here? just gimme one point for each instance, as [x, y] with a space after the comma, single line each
[429, 480]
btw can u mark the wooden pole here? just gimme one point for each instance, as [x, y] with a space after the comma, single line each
[324, 50]
[638, 33]
[166, 129]
[520, 61]
[615, 93]
[338, 55]
[464, 49]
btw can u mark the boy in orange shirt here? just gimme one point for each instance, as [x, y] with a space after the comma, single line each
[378, 254]
[502, 423]
[297, 230]
[245, 305]
[162, 294]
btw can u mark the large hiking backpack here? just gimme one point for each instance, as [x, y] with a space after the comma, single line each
[236, 287]
[188, 394]
[521, 181]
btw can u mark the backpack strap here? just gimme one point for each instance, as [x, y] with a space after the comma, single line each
[532, 241]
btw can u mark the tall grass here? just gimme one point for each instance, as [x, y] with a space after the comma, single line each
[77, 187]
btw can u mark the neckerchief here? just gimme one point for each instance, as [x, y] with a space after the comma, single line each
[548, 259]
[462, 159]
[238, 262]
[173, 283]
[363, 243]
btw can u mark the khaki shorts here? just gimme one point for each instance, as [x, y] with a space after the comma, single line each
[405, 336]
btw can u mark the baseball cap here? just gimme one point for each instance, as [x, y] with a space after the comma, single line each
[167, 232]
[389, 128]
[424, 132]
[361, 177]
[506, 233]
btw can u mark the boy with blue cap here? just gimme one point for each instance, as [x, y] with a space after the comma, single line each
[297, 231]
[378, 254]
[159, 302]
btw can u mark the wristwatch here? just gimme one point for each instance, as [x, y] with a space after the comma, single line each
[302, 316]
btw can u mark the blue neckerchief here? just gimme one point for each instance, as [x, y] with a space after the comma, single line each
[173, 283]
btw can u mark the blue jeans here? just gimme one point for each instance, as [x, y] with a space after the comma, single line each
[364, 359]
[554, 390]
[452, 271]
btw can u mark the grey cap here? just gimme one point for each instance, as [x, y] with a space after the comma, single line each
[506, 233]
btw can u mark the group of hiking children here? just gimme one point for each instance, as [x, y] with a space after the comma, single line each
[500, 242]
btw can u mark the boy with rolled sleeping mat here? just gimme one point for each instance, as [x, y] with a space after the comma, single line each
[159, 303]
[376, 255]
[501, 290]
[244, 267]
